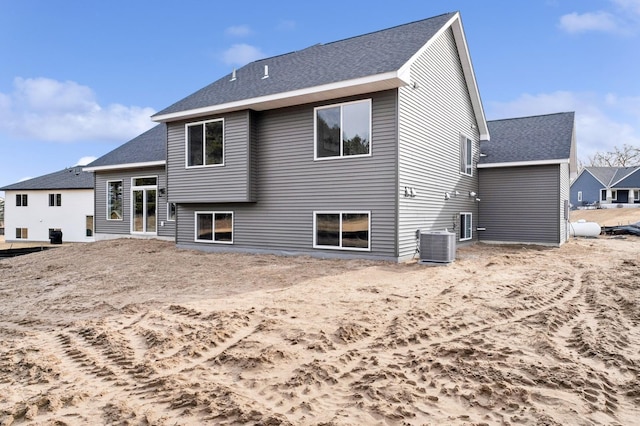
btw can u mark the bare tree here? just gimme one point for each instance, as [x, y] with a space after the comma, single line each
[626, 156]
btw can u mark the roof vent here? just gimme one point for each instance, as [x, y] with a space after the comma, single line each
[233, 75]
[266, 72]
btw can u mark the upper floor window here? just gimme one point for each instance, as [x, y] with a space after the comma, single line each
[465, 226]
[114, 200]
[22, 200]
[205, 143]
[343, 130]
[55, 200]
[466, 155]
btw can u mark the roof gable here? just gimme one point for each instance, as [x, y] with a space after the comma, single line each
[69, 178]
[371, 62]
[537, 140]
[149, 147]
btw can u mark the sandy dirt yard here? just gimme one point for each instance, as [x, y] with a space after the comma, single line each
[137, 332]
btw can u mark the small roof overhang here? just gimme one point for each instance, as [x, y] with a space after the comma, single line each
[125, 166]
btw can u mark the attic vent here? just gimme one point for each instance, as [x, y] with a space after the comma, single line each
[437, 247]
[266, 72]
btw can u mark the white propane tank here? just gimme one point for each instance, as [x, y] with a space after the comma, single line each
[582, 228]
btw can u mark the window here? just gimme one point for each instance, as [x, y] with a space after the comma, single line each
[580, 196]
[342, 230]
[343, 130]
[114, 200]
[603, 195]
[636, 195]
[205, 143]
[55, 200]
[214, 227]
[22, 200]
[144, 200]
[466, 155]
[614, 195]
[22, 233]
[465, 226]
[171, 211]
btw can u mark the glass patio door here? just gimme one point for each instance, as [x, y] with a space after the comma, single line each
[144, 204]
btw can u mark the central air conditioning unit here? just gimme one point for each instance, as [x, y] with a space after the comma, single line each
[437, 247]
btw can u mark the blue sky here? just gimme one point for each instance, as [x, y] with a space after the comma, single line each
[80, 77]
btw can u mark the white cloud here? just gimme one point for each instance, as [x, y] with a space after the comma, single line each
[241, 54]
[49, 110]
[83, 161]
[602, 122]
[238, 31]
[623, 18]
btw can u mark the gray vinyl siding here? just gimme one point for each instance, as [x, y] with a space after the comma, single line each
[590, 187]
[565, 185]
[291, 185]
[224, 183]
[521, 204]
[123, 227]
[432, 117]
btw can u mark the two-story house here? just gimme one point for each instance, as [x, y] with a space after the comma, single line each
[346, 149]
[60, 201]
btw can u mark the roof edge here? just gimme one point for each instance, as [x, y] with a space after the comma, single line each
[625, 176]
[125, 166]
[523, 163]
[361, 85]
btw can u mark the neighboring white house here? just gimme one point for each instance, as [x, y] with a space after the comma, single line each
[60, 201]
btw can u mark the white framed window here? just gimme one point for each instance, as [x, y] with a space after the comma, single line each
[171, 212]
[580, 196]
[466, 155]
[22, 200]
[636, 195]
[204, 143]
[55, 200]
[466, 223]
[614, 195]
[144, 201]
[342, 230]
[603, 195]
[214, 227]
[114, 200]
[342, 130]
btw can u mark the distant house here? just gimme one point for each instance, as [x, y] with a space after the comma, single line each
[525, 173]
[604, 187]
[346, 149]
[130, 189]
[60, 201]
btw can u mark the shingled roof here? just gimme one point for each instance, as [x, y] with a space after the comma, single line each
[366, 63]
[537, 139]
[149, 147]
[609, 176]
[69, 178]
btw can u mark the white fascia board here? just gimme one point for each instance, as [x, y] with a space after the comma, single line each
[356, 86]
[125, 166]
[523, 163]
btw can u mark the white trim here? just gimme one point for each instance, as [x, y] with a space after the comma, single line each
[204, 143]
[357, 86]
[108, 212]
[125, 166]
[144, 189]
[169, 212]
[579, 196]
[470, 226]
[340, 213]
[464, 139]
[341, 156]
[523, 163]
[213, 227]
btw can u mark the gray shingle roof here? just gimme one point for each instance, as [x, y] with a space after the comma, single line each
[365, 55]
[537, 138]
[150, 146]
[610, 175]
[70, 178]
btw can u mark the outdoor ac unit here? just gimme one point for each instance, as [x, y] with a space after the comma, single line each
[437, 247]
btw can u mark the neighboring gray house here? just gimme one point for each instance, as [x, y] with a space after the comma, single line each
[341, 149]
[525, 171]
[130, 189]
[58, 201]
[606, 187]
